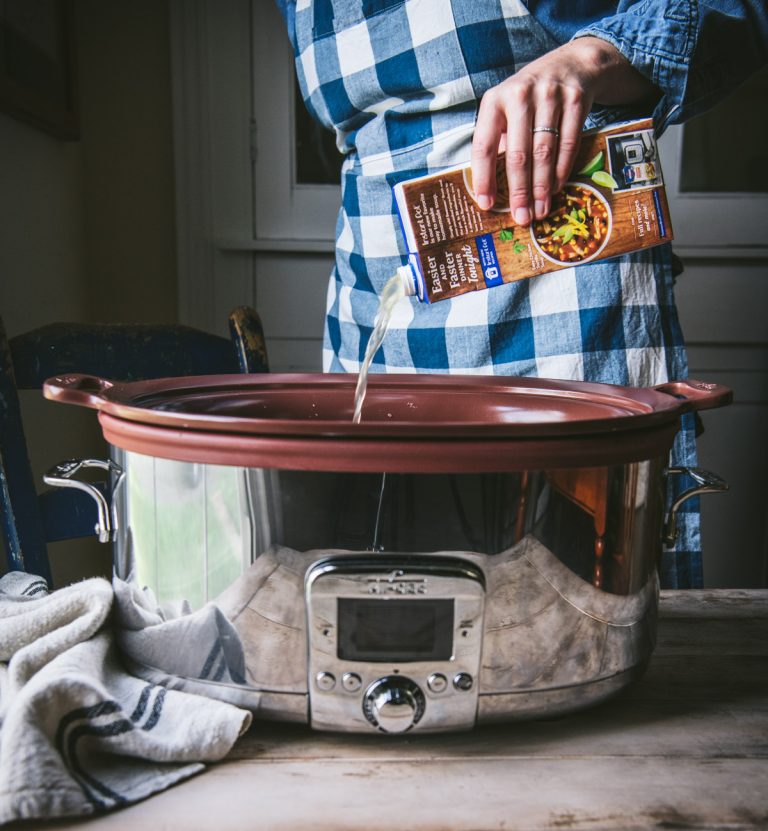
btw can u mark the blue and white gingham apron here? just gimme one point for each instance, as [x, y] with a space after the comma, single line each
[399, 82]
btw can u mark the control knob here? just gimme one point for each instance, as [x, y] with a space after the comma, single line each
[394, 704]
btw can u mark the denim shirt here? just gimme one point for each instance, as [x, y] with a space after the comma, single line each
[695, 52]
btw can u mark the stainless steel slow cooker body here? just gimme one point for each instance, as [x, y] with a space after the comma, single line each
[478, 549]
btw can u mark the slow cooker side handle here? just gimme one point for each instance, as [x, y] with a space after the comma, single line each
[705, 482]
[697, 395]
[77, 388]
[60, 476]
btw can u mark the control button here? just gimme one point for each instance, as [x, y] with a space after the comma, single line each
[351, 681]
[394, 704]
[463, 681]
[325, 681]
[437, 682]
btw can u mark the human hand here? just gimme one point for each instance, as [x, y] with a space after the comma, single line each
[555, 92]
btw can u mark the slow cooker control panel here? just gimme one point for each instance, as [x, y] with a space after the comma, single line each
[394, 642]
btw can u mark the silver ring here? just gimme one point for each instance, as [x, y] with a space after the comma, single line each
[552, 130]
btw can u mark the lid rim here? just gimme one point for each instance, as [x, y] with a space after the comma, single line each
[371, 454]
[493, 406]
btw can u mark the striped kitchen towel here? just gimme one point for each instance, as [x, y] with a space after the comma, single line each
[79, 735]
[158, 636]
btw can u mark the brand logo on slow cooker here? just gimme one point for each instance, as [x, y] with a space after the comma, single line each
[396, 583]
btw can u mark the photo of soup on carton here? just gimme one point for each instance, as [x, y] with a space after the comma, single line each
[613, 204]
[577, 228]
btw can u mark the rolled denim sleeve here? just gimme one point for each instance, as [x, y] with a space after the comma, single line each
[694, 52]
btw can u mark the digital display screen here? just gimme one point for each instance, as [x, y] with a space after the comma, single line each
[395, 630]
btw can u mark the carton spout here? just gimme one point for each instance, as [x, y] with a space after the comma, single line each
[410, 281]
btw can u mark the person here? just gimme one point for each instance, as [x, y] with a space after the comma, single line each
[412, 86]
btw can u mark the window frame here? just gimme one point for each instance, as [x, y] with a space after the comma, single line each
[283, 209]
[730, 224]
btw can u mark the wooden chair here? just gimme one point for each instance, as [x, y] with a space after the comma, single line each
[126, 352]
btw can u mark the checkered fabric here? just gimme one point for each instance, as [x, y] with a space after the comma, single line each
[399, 81]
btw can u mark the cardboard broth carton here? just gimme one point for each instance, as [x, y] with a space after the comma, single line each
[613, 203]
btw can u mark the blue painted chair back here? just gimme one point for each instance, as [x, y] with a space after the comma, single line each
[125, 352]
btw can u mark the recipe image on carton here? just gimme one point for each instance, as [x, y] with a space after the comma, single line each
[516, 253]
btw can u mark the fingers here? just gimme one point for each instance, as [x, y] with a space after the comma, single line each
[513, 110]
[518, 158]
[544, 139]
[489, 132]
[552, 92]
[572, 120]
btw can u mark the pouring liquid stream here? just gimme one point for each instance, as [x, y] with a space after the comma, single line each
[392, 292]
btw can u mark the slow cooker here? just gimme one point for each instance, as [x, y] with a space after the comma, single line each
[475, 549]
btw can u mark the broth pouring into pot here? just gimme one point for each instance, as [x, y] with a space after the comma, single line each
[393, 292]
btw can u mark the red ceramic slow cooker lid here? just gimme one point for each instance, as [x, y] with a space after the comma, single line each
[405, 406]
[306, 420]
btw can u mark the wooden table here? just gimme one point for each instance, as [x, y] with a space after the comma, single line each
[687, 747]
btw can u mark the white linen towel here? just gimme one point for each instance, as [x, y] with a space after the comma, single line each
[159, 636]
[78, 735]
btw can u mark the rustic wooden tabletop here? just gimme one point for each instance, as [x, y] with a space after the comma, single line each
[686, 747]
